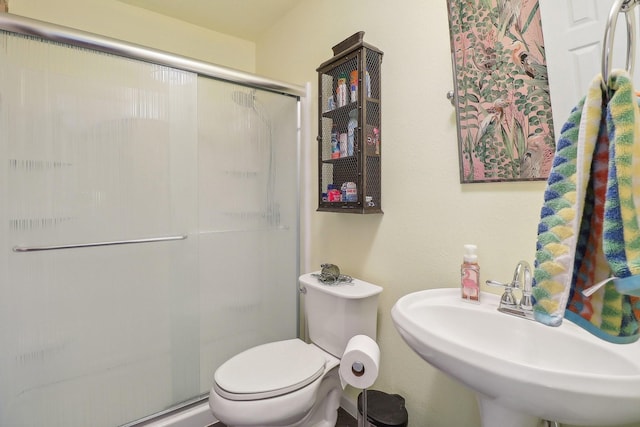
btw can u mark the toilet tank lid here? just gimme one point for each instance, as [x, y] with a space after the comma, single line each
[354, 290]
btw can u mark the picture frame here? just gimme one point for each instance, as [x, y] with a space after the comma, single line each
[501, 90]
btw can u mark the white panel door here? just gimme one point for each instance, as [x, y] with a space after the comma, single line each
[573, 34]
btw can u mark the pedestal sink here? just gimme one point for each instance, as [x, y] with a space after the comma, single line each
[522, 371]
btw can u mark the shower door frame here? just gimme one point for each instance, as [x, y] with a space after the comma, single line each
[70, 36]
[78, 38]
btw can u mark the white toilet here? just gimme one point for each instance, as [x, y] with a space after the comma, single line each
[292, 383]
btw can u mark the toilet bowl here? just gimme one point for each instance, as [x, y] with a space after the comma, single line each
[293, 383]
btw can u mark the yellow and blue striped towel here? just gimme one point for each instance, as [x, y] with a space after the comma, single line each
[588, 229]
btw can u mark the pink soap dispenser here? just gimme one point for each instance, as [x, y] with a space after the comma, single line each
[470, 274]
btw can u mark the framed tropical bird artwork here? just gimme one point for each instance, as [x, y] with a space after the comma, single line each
[501, 90]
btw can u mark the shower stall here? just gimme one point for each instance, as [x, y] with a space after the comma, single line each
[149, 224]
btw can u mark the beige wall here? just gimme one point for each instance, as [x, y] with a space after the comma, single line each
[121, 21]
[429, 215]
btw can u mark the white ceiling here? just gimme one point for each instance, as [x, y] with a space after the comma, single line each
[246, 19]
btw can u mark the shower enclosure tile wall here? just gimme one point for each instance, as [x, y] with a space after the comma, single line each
[98, 148]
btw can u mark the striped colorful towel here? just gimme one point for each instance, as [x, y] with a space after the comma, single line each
[588, 230]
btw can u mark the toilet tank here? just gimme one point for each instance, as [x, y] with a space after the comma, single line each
[336, 313]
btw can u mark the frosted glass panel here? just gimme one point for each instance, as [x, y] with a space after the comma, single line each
[247, 167]
[95, 148]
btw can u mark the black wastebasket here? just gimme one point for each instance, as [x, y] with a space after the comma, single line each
[383, 410]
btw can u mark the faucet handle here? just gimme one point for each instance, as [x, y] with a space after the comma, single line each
[507, 298]
[496, 283]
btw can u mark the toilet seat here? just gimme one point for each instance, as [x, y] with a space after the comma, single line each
[269, 370]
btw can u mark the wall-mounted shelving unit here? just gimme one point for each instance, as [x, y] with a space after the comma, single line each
[349, 129]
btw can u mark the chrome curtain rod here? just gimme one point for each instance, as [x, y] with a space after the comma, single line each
[32, 27]
[94, 244]
[626, 7]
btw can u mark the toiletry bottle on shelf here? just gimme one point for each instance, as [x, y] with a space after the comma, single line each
[341, 90]
[343, 139]
[470, 274]
[333, 194]
[353, 85]
[349, 192]
[351, 131]
[331, 103]
[335, 146]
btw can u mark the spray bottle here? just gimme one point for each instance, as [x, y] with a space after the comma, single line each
[470, 274]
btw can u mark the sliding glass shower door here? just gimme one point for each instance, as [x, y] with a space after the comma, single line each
[148, 230]
[247, 215]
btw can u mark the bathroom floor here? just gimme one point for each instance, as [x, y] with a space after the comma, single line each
[344, 420]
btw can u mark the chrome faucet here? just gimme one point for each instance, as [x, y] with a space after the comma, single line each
[522, 279]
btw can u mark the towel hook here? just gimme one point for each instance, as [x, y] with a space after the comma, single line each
[626, 7]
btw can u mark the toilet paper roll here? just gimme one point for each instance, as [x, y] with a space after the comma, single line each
[360, 362]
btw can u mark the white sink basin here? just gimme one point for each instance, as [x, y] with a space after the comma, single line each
[522, 370]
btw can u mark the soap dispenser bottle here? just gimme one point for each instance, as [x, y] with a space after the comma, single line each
[470, 274]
